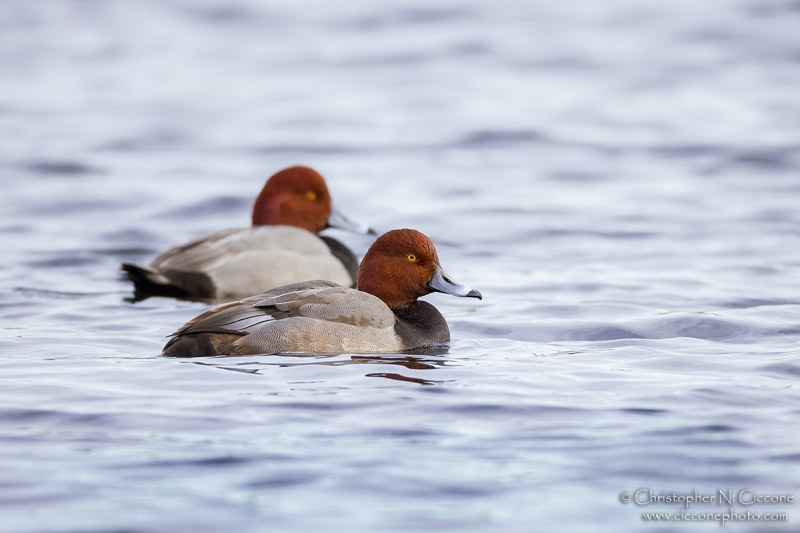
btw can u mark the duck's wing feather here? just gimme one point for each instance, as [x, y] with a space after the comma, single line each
[201, 252]
[312, 316]
[337, 304]
[216, 249]
[243, 316]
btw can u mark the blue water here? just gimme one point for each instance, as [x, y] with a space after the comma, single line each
[620, 180]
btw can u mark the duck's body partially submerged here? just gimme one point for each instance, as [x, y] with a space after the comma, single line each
[237, 261]
[383, 316]
[281, 247]
[312, 317]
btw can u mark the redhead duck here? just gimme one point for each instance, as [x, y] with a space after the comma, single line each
[320, 316]
[280, 247]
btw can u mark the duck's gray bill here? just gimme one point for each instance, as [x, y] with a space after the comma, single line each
[441, 282]
[338, 220]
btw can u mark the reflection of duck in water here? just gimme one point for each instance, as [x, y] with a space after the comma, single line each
[407, 361]
[280, 247]
[382, 316]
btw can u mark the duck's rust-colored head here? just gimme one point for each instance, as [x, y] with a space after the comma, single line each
[298, 196]
[402, 265]
[295, 196]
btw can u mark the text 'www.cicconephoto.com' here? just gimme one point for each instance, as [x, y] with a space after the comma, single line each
[721, 505]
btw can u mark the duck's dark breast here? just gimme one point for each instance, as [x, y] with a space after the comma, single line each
[421, 324]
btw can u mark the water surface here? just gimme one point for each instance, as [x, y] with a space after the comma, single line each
[619, 180]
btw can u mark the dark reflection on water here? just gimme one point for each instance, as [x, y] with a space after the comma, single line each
[495, 139]
[398, 377]
[619, 180]
[283, 480]
[67, 168]
[223, 205]
[412, 363]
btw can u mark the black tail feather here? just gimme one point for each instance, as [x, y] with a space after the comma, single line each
[145, 284]
[202, 345]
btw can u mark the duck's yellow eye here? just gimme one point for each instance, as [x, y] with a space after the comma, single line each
[412, 258]
[311, 195]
